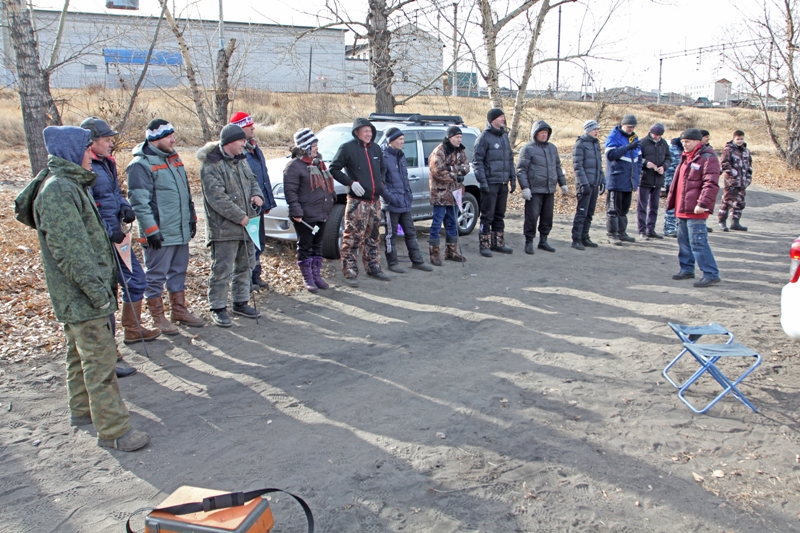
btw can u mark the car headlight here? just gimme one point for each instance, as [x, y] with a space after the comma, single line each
[277, 191]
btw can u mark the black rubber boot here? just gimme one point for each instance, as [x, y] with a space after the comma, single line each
[544, 246]
[736, 226]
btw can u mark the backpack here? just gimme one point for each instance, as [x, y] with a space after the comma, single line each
[23, 203]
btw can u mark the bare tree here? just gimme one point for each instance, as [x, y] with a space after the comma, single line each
[772, 60]
[222, 95]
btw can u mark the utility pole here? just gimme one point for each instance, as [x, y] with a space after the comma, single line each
[310, 57]
[455, 49]
[221, 28]
[558, 51]
[660, 66]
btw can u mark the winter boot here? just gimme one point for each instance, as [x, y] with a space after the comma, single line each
[544, 246]
[245, 310]
[221, 318]
[436, 258]
[132, 324]
[499, 243]
[614, 239]
[485, 243]
[723, 223]
[306, 269]
[258, 283]
[179, 314]
[736, 226]
[587, 242]
[626, 238]
[451, 253]
[316, 270]
[578, 245]
[529, 247]
[156, 308]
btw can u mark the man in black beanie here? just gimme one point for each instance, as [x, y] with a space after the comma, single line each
[231, 197]
[493, 163]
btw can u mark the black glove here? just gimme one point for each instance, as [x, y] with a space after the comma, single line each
[484, 187]
[459, 179]
[154, 241]
[192, 228]
[117, 236]
[602, 188]
[635, 145]
[513, 184]
[127, 214]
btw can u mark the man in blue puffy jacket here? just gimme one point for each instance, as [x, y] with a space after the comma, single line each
[623, 171]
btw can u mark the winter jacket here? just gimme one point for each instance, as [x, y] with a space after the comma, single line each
[106, 192]
[257, 162]
[737, 164]
[228, 184]
[79, 264]
[587, 161]
[493, 159]
[539, 165]
[448, 166]
[698, 180]
[312, 205]
[675, 151]
[623, 167]
[397, 195]
[159, 194]
[658, 154]
[364, 164]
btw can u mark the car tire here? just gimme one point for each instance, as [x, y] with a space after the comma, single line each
[468, 218]
[332, 239]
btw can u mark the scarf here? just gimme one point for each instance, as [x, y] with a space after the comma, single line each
[320, 175]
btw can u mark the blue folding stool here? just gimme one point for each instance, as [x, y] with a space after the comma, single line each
[707, 355]
[692, 334]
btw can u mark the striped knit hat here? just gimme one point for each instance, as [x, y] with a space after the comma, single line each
[158, 129]
[242, 119]
[304, 138]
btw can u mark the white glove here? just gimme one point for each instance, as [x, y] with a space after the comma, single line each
[526, 193]
[357, 189]
[564, 190]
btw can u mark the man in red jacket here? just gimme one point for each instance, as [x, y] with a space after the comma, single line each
[692, 195]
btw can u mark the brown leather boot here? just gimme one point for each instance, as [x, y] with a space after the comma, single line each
[436, 258]
[156, 308]
[180, 314]
[131, 315]
[451, 253]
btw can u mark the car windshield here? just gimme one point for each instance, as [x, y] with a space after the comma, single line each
[332, 137]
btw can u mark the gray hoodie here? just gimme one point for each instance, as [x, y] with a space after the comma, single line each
[539, 166]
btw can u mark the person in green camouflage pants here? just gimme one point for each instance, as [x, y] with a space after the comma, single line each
[81, 274]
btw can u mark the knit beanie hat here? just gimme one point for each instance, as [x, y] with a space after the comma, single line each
[629, 120]
[590, 125]
[158, 129]
[452, 131]
[231, 133]
[304, 138]
[393, 133]
[493, 114]
[67, 142]
[692, 134]
[657, 129]
[242, 119]
[98, 128]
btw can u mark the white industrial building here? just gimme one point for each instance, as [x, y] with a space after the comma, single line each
[716, 91]
[108, 50]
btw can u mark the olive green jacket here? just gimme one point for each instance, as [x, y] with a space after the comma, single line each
[78, 260]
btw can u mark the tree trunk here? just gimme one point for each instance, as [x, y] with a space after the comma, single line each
[792, 93]
[197, 95]
[519, 103]
[38, 108]
[381, 61]
[221, 96]
[492, 77]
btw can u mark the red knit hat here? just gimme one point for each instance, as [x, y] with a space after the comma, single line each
[242, 119]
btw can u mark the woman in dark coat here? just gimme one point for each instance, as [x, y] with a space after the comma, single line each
[308, 187]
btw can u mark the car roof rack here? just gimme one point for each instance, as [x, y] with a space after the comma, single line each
[416, 118]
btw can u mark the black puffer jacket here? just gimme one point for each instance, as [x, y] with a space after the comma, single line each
[587, 161]
[312, 204]
[493, 160]
[656, 152]
[364, 164]
[539, 166]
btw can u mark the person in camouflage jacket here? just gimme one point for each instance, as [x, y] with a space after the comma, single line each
[231, 197]
[81, 275]
[737, 166]
[448, 165]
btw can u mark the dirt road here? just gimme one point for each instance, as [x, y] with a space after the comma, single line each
[518, 393]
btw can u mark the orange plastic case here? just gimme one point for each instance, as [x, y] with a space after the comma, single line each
[254, 516]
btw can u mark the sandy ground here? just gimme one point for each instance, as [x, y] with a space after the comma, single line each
[515, 393]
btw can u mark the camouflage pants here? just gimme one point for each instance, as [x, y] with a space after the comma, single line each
[361, 226]
[732, 200]
[91, 381]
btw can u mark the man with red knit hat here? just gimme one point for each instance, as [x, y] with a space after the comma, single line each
[257, 162]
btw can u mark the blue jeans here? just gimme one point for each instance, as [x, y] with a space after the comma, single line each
[670, 222]
[693, 247]
[446, 213]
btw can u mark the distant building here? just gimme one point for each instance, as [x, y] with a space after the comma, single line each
[716, 91]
